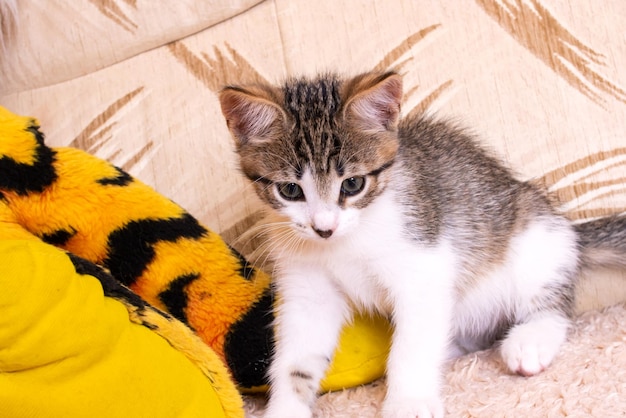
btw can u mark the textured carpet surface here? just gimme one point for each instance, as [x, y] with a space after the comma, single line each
[587, 379]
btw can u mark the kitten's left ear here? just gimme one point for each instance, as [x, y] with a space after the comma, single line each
[374, 102]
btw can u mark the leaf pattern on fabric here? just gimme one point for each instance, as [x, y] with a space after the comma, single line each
[97, 133]
[534, 27]
[226, 68]
[576, 187]
[396, 59]
[112, 10]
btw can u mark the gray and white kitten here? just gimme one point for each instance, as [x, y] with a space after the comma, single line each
[410, 218]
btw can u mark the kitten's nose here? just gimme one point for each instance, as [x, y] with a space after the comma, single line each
[324, 222]
[324, 234]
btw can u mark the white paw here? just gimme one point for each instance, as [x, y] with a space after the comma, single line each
[530, 348]
[430, 407]
[525, 359]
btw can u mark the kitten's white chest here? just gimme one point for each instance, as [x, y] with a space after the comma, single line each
[362, 263]
[360, 274]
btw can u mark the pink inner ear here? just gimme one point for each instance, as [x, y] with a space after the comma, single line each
[379, 106]
[248, 117]
[230, 102]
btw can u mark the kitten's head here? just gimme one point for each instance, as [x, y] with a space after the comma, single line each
[317, 151]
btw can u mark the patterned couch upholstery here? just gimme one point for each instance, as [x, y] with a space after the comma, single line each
[542, 81]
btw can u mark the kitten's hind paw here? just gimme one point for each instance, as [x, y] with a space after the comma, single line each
[431, 407]
[525, 360]
[530, 348]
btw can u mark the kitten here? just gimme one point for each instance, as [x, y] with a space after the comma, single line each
[410, 218]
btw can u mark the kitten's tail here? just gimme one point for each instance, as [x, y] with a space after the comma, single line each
[603, 242]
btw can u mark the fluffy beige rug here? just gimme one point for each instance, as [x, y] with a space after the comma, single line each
[588, 379]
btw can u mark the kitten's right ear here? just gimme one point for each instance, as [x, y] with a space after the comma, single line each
[249, 115]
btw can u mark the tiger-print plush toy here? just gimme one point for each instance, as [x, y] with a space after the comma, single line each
[98, 212]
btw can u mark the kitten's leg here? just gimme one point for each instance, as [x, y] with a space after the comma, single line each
[544, 268]
[308, 323]
[422, 303]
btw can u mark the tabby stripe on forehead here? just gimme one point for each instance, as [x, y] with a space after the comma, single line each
[131, 247]
[314, 140]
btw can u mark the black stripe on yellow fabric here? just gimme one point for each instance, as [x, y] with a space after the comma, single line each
[122, 179]
[248, 344]
[110, 286]
[245, 268]
[59, 237]
[175, 296]
[113, 289]
[131, 247]
[26, 178]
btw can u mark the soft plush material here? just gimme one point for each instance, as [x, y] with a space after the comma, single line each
[68, 349]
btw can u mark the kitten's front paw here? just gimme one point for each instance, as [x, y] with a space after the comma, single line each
[430, 407]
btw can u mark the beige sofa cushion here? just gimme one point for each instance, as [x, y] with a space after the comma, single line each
[542, 81]
[67, 39]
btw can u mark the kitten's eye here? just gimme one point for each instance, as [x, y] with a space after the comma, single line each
[290, 191]
[353, 185]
